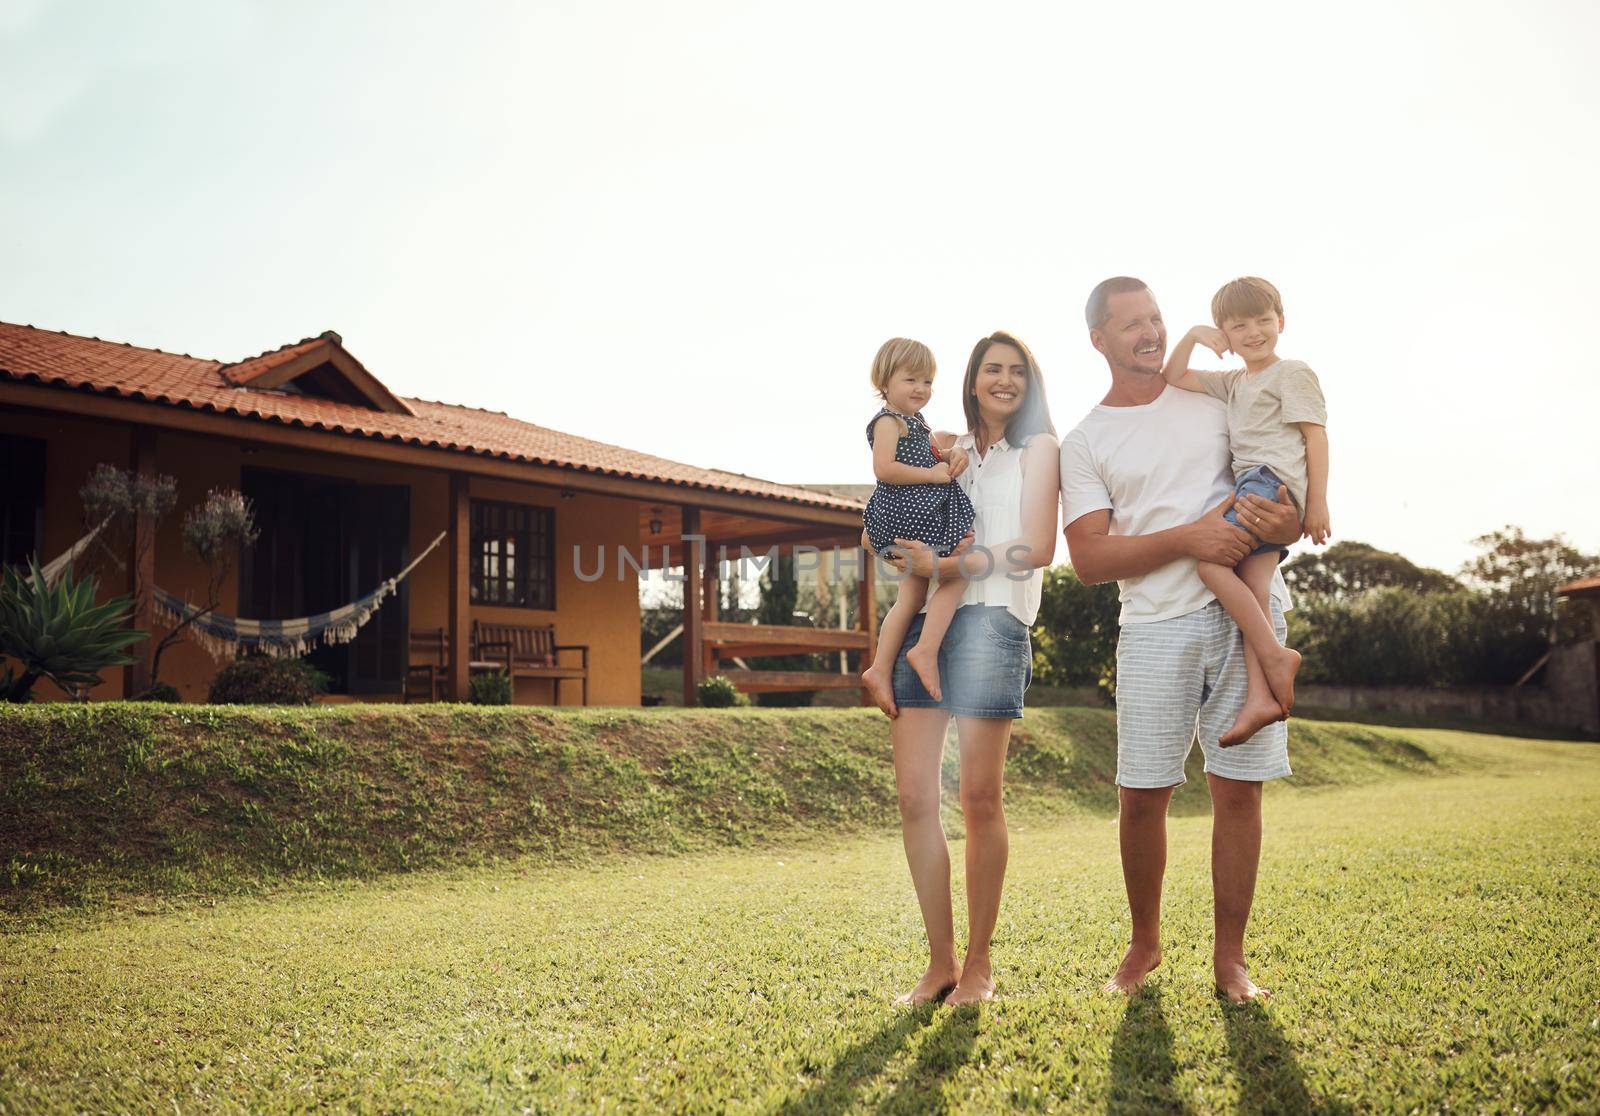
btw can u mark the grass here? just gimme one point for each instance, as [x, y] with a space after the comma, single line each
[1431, 941]
[104, 800]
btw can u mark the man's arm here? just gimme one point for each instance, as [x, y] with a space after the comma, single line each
[1272, 521]
[1098, 555]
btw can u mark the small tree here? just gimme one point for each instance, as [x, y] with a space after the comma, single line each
[1075, 636]
[215, 530]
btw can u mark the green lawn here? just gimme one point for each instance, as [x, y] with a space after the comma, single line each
[1431, 940]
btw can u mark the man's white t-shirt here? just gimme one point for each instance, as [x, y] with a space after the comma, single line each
[1156, 466]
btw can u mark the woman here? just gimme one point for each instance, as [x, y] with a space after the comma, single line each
[985, 661]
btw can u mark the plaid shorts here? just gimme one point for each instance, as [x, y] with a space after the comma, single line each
[1182, 678]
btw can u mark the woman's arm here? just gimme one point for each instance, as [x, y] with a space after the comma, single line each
[1317, 525]
[885, 436]
[1177, 372]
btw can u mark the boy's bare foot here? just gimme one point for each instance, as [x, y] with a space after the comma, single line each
[1137, 964]
[1280, 671]
[1256, 715]
[880, 690]
[926, 664]
[935, 983]
[975, 986]
[1234, 982]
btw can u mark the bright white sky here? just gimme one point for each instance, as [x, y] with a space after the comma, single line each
[686, 227]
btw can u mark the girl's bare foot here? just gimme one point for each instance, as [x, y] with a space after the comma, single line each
[926, 664]
[879, 690]
[936, 982]
[1137, 964]
[1280, 670]
[1234, 982]
[1257, 714]
[975, 987]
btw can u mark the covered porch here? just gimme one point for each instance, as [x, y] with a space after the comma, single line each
[698, 540]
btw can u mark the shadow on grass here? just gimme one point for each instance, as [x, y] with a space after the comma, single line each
[943, 1052]
[858, 1065]
[1143, 1073]
[1269, 1076]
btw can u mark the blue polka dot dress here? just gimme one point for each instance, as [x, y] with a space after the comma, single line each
[937, 514]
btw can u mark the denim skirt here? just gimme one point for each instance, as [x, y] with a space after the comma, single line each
[985, 664]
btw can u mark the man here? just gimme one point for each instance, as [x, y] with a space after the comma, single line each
[1135, 474]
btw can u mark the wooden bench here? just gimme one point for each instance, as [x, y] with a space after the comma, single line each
[530, 651]
[429, 678]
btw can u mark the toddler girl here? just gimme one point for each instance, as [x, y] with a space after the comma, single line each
[916, 498]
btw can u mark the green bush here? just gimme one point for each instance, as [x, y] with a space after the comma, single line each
[490, 688]
[717, 692]
[259, 680]
[161, 691]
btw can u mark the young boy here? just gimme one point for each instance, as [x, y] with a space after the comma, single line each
[1277, 432]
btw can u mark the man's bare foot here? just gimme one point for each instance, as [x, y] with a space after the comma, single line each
[1137, 964]
[880, 690]
[976, 985]
[935, 983]
[1234, 982]
[1280, 671]
[1257, 714]
[926, 664]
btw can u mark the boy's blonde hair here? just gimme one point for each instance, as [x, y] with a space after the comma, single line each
[1245, 298]
[898, 353]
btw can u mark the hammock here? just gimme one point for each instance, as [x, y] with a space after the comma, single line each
[70, 555]
[222, 636]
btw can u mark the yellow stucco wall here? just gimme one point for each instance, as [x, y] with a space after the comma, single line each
[604, 614]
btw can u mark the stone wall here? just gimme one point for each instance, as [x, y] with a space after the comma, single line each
[1567, 698]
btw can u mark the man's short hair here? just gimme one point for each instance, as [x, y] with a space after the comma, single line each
[1245, 298]
[1099, 308]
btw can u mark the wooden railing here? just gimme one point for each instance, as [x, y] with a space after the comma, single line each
[722, 640]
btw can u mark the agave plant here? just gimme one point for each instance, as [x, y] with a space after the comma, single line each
[58, 632]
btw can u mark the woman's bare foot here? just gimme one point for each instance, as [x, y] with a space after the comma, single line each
[926, 664]
[1234, 982]
[935, 983]
[1258, 712]
[1137, 964]
[1280, 670]
[880, 690]
[975, 987]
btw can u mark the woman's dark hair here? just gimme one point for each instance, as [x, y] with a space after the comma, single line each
[1034, 414]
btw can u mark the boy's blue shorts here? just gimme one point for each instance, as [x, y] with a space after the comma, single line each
[1259, 481]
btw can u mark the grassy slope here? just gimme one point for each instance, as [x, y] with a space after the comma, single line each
[106, 799]
[1431, 941]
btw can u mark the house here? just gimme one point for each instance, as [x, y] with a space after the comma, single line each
[349, 481]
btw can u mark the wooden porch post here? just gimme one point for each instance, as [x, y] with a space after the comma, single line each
[692, 623]
[459, 525]
[867, 608]
[712, 600]
[142, 568]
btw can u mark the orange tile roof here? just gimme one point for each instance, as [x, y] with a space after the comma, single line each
[112, 368]
[1583, 587]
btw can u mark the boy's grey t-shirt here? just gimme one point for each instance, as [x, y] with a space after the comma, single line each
[1262, 411]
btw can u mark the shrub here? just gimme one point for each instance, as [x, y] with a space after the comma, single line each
[58, 632]
[259, 680]
[717, 692]
[490, 688]
[161, 691]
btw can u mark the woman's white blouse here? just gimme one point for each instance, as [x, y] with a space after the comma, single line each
[994, 485]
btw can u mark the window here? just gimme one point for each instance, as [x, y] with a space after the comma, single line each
[513, 555]
[21, 500]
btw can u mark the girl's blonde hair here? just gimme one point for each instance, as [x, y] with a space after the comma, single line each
[900, 353]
